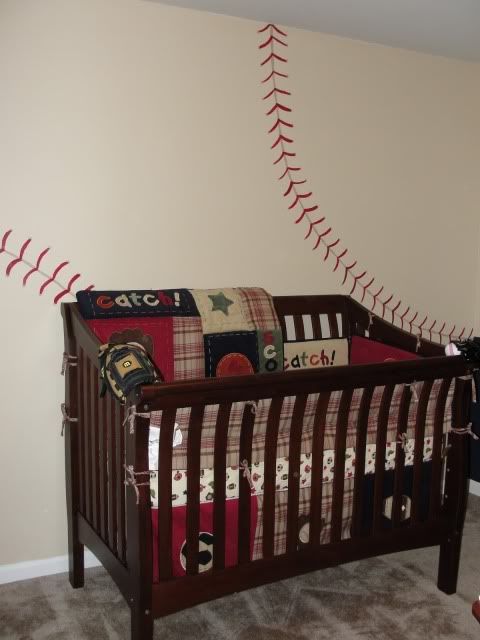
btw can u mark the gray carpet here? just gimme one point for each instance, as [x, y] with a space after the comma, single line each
[388, 598]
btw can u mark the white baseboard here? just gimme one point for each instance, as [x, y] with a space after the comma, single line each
[474, 487]
[37, 568]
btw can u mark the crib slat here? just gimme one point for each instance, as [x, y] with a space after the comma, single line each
[380, 445]
[294, 448]
[360, 449]
[120, 462]
[81, 432]
[94, 423]
[219, 478]
[103, 479]
[283, 325]
[455, 491]
[112, 475]
[244, 499]
[333, 324]
[270, 472]
[402, 426]
[193, 488]
[339, 465]
[299, 327]
[88, 439]
[317, 467]
[435, 488]
[316, 326]
[164, 512]
[418, 452]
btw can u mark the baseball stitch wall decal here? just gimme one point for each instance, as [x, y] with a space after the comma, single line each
[301, 201]
[47, 279]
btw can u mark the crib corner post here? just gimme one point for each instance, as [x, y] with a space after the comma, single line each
[456, 490]
[139, 528]
[70, 369]
[76, 561]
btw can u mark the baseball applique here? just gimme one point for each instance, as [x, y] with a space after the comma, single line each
[234, 364]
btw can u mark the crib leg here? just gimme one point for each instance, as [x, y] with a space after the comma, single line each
[76, 564]
[75, 547]
[448, 563]
[142, 624]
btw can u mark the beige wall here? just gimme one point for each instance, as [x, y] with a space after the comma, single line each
[133, 142]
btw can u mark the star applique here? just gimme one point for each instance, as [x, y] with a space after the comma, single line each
[220, 302]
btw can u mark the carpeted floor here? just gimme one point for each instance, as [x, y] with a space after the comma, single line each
[388, 598]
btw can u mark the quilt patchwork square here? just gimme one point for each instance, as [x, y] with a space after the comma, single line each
[221, 310]
[138, 303]
[231, 354]
[155, 334]
[188, 348]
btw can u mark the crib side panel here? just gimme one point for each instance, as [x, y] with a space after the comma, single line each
[341, 524]
[95, 455]
[365, 322]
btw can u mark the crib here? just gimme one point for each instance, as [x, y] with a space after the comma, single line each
[108, 488]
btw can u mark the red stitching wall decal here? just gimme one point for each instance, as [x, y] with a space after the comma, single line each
[35, 268]
[302, 204]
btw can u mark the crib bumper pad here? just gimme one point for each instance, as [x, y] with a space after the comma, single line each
[262, 409]
[256, 468]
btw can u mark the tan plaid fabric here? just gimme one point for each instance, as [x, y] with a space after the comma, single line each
[261, 416]
[188, 349]
[257, 305]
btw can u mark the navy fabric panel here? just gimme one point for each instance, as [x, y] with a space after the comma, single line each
[368, 488]
[233, 353]
[136, 303]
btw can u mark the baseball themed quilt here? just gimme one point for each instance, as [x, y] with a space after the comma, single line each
[191, 333]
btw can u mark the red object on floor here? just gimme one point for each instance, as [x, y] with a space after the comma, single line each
[476, 609]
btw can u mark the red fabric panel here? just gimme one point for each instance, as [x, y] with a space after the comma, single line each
[179, 519]
[156, 334]
[366, 351]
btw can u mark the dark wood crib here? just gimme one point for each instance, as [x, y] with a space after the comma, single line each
[109, 511]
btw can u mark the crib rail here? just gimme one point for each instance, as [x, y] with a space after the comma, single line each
[255, 387]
